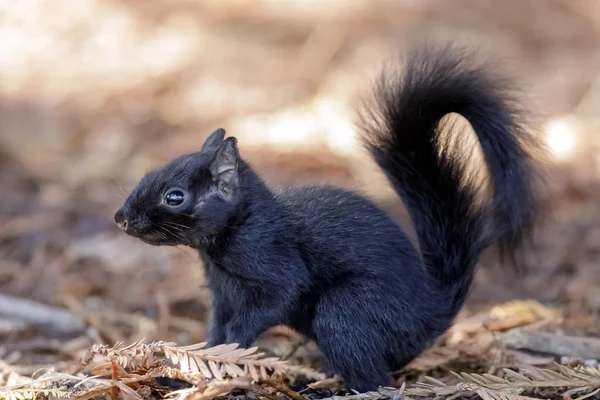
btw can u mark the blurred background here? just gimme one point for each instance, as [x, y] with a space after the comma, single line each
[94, 93]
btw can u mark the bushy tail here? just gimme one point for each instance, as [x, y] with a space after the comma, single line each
[404, 135]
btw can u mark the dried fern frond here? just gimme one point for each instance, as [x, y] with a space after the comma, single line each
[360, 396]
[212, 390]
[491, 387]
[138, 353]
[382, 393]
[40, 387]
[196, 379]
[217, 362]
[229, 360]
[109, 387]
[33, 393]
[489, 394]
[196, 364]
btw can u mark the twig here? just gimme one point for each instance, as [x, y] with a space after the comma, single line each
[281, 387]
[548, 343]
[263, 392]
[54, 318]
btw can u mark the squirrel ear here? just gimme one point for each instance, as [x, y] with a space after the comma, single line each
[225, 164]
[214, 140]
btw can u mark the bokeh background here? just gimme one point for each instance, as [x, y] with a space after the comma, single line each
[94, 93]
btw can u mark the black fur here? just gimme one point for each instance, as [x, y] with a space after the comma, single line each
[328, 262]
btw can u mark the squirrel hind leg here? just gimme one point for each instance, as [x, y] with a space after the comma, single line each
[353, 349]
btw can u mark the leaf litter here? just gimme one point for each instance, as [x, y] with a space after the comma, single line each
[87, 313]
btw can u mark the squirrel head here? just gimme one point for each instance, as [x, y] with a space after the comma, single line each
[191, 197]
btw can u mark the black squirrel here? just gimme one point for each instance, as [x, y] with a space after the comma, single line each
[331, 264]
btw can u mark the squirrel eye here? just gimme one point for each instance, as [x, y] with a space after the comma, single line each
[174, 197]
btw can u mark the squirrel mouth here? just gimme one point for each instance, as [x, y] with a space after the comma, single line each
[148, 236]
[155, 239]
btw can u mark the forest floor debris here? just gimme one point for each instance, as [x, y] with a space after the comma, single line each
[82, 306]
[471, 358]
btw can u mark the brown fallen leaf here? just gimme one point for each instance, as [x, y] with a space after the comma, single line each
[517, 313]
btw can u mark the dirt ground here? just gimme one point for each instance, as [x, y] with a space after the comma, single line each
[96, 92]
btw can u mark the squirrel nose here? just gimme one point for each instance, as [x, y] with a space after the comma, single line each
[121, 220]
[122, 225]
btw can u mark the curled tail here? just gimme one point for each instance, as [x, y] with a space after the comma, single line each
[404, 135]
